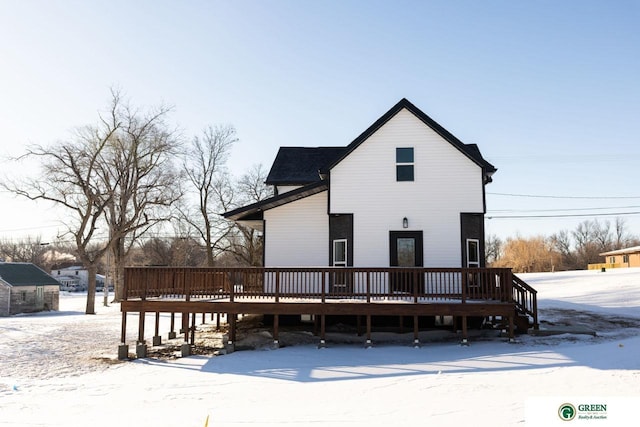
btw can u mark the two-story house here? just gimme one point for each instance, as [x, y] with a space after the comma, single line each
[389, 227]
[406, 192]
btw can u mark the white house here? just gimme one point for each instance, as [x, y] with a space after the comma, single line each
[406, 192]
[76, 278]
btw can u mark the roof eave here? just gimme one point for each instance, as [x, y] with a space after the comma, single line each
[255, 211]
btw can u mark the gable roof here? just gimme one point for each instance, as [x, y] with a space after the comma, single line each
[25, 274]
[469, 150]
[301, 165]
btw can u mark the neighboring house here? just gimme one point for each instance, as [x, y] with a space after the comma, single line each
[76, 279]
[25, 288]
[627, 257]
[406, 192]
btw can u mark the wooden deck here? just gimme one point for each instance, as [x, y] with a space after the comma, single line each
[321, 292]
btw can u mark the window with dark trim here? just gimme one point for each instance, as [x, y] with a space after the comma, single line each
[404, 164]
[473, 253]
[340, 253]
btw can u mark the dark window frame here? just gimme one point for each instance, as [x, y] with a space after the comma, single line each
[405, 164]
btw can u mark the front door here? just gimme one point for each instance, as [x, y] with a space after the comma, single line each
[405, 250]
[341, 281]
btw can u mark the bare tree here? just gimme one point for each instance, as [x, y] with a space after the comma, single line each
[204, 166]
[29, 249]
[561, 242]
[602, 235]
[493, 248]
[246, 243]
[70, 179]
[621, 238]
[138, 173]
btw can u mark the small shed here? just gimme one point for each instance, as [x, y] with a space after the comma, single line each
[25, 288]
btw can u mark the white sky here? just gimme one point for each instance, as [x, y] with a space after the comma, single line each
[547, 89]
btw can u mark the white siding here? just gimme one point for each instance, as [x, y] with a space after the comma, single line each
[297, 234]
[446, 184]
[286, 188]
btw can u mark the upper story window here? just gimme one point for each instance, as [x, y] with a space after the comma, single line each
[404, 164]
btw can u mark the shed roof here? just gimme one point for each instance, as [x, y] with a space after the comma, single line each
[630, 250]
[25, 274]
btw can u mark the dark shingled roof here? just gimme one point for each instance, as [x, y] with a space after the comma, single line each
[301, 165]
[25, 274]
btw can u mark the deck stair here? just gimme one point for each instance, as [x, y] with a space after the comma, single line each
[525, 299]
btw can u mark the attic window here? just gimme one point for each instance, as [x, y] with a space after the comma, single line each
[404, 164]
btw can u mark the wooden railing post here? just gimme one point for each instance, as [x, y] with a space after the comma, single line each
[368, 286]
[187, 288]
[277, 296]
[463, 286]
[143, 295]
[508, 289]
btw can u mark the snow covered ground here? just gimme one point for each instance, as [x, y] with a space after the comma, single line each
[59, 369]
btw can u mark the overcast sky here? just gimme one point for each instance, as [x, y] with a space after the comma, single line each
[547, 89]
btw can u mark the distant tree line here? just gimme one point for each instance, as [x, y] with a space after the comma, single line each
[565, 250]
[136, 192]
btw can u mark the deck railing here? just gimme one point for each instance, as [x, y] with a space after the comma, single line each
[328, 283]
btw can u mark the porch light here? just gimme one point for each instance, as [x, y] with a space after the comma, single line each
[405, 222]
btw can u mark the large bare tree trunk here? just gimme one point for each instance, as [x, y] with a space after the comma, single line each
[91, 291]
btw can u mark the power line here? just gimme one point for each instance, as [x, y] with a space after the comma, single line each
[564, 197]
[562, 216]
[564, 210]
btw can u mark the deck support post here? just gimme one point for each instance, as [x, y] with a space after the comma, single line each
[217, 321]
[193, 329]
[464, 332]
[185, 324]
[232, 326]
[276, 322]
[512, 336]
[359, 325]
[123, 348]
[141, 319]
[172, 332]
[367, 343]
[322, 331]
[416, 340]
[157, 339]
[123, 331]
